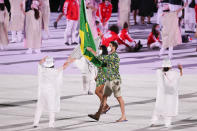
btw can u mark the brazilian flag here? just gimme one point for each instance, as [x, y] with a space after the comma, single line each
[86, 37]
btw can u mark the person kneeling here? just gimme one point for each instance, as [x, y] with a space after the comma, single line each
[154, 38]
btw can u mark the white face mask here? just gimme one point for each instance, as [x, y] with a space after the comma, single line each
[157, 29]
[100, 52]
[107, 2]
[109, 49]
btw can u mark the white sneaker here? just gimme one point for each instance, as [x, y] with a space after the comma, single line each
[2, 48]
[13, 41]
[37, 51]
[19, 40]
[52, 125]
[29, 51]
[168, 125]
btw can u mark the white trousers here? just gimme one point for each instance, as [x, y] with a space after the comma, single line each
[155, 45]
[38, 114]
[89, 72]
[17, 36]
[189, 19]
[167, 120]
[170, 52]
[71, 31]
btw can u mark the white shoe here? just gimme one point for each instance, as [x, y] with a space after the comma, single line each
[20, 40]
[29, 51]
[52, 125]
[2, 48]
[37, 51]
[168, 126]
[13, 41]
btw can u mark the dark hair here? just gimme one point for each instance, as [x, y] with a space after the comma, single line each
[114, 44]
[154, 31]
[2, 6]
[165, 69]
[104, 50]
[168, 10]
[97, 22]
[36, 14]
[114, 28]
[125, 26]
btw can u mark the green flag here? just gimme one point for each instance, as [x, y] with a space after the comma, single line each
[87, 39]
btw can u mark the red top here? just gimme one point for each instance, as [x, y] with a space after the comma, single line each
[152, 39]
[104, 12]
[71, 9]
[123, 35]
[98, 30]
[196, 12]
[109, 37]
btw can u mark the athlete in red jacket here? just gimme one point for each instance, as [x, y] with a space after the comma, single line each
[111, 35]
[153, 38]
[104, 13]
[71, 11]
[126, 40]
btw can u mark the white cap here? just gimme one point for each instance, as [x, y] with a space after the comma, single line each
[49, 62]
[167, 63]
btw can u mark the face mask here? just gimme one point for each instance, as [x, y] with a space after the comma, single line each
[109, 49]
[107, 3]
[100, 52]
[157, 29]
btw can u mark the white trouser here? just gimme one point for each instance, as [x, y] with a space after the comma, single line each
[105, 28]
[88, 74]
[189, 19]
[38, 114]
[170, 52]
[71, 31]
[16, 36]
[155, 45]
[167, 120]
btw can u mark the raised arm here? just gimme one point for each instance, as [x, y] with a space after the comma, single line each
[68, 62]
[180, 67]
[180, 9]
[92, 51]
[43, 60]
[22, 6]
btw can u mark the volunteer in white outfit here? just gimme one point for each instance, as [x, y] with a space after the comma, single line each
[49, 88]
[33, 29]
[17, 20]
[171, 34]
[189, 17]
[45, 10]
[71, 11]
[124, 12]
[167, 100]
